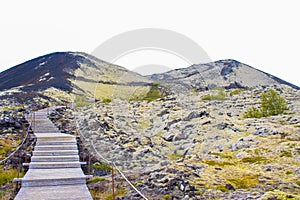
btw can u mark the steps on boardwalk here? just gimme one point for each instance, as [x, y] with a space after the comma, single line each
[54, 165]
[55, 147]
[56, 142]
[54, 152]
[55, 170]
[66, 158]
[54, 136]
[61, 192]
[44, 177]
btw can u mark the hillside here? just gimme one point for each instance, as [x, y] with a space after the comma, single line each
[224, 73]
[182, 134]
[205, 144]
[62, 75]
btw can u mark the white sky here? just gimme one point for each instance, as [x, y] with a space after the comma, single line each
[264, 34]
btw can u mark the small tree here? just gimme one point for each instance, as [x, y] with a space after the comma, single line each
[271, 104]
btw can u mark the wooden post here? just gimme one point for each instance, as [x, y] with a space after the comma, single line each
[19, 170]
[113, 183]
[89, 164]
[26, 142]
[33, 121]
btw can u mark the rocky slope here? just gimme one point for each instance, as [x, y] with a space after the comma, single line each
[176, 143]
[206, 146]
[56, 76]
[223, 73]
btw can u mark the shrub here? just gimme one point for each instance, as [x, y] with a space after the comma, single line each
[154, 93]
[104, 166]
[253, 113]
[220, 96]
[7, 176]
[106, 100]
[271, 104]
[236, 92]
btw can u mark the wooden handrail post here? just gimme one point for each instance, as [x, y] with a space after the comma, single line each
[113, 182]
[89, 164]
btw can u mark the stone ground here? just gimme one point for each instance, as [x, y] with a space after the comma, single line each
[183, 146]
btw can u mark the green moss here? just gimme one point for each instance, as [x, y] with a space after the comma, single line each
[288, 172]
[159, 134]
[174, 157]
[245, 182]
[167, 196]
[97, 179]
[286, 154]
[118, 193]
[207, 98]
[280, 195]
[220, 96]
[154, 93]
[7, 176]
[103, 166]
[236, 92]
[217, 163]
[222, 188]
[106, 100]
[255, 159]
[194, 90]
[81, 101]
[222, 155]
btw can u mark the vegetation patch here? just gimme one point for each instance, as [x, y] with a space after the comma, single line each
[285, 153]
[7, 176]
[245, 182]
[271, 104]
[97, 179]
[103, 166]
[81, 101]
[236, 92]
[217, 163]
[222, 188]
[118, 193]
[6, 147]
[154, 93]
[222, 155]
[255, 159]
[106, 100]
[220, 96]
[174, 157]
[167, 196]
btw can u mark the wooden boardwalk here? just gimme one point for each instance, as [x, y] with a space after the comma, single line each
[55, 170]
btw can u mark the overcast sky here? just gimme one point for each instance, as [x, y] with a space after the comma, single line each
[264, 34]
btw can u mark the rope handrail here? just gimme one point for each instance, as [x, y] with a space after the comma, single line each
[109, 162]
[21, 144]
[121, 173]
